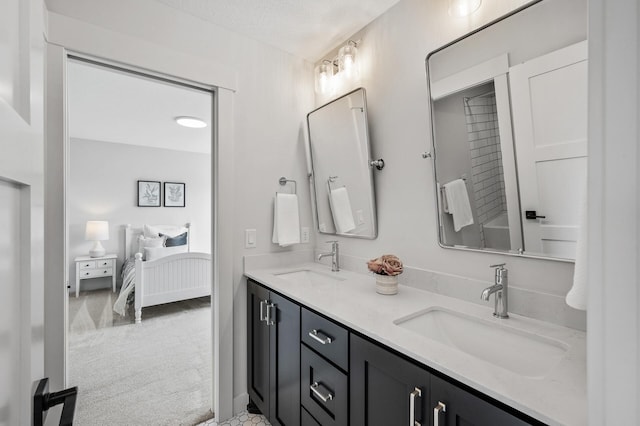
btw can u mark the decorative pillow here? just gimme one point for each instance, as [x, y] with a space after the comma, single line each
[144, 242]
[153, 231]
[155, 253]
[178, 240]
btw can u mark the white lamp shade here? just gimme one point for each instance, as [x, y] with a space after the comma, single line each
[97, 230]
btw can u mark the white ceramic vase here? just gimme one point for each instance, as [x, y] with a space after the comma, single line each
[386, 284]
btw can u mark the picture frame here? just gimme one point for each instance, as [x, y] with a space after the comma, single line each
[174, 194]
[148, 193]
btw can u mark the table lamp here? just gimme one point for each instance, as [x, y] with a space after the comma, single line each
[97, 230]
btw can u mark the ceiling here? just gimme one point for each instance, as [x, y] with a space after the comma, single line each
[112, 106]
[305, 28]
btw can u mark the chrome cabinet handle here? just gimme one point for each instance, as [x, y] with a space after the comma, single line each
[440, 408]
[314, 334]
[263, 317]
[417, 393]
[270, 314]
[327, 396]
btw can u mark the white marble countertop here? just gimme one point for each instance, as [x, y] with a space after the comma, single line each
[558, 398]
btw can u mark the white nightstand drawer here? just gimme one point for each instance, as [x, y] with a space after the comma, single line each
[104, 272]
[104, 263]
[87, 264]
[93, 273]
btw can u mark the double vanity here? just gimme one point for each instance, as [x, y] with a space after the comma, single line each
[326, 349]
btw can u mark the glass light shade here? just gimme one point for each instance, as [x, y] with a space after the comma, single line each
[97, 230]
[192, 122]
[460, 8]
[323, 77]
[347, 64]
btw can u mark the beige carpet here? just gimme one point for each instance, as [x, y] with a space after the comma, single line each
[154, 373]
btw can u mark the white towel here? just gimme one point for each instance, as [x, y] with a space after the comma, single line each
[341, 210]
[577, 296]
[458, 203]
[286, 220]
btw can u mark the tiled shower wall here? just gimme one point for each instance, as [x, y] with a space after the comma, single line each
[486, 157]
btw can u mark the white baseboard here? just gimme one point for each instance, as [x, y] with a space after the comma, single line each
[240, 403]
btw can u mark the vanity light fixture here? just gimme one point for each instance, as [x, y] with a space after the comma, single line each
[332, 74]
[192, 122]
[462, 8]
[324, 77]
[347, 59]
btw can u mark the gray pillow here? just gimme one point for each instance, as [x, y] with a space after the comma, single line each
[178, 240]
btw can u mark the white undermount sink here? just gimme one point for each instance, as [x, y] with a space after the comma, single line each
[520, 352]
[310, 277]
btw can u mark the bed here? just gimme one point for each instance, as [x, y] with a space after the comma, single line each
[162, 278]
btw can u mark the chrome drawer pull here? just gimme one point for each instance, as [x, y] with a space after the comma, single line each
[436, 412]
[262, 314]
[412, 406]
[314, 387]
[271, 316]
[314, 334]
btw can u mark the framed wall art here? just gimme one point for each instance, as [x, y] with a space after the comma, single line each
[148, 193]
[174, 194]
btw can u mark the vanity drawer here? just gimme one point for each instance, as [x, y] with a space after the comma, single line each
[323, 389]
[326, 337]
[87, 264]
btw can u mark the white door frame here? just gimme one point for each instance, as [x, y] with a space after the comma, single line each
[56, 172]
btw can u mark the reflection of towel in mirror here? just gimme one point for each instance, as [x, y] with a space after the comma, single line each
[458, 203]
[341, 210]
[286, 220]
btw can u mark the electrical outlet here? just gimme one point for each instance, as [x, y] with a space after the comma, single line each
[305, 235]
[250, 238]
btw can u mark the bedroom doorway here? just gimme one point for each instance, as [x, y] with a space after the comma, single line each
[139, 182]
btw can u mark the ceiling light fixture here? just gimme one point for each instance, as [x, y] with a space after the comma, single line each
[192, 122]
[462, 8]
[330, 74]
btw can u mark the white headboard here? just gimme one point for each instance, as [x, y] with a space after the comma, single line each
[131, 234]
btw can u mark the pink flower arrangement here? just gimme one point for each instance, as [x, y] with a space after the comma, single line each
[387, 264]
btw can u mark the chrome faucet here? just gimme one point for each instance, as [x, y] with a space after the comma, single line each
[500, 289]
[335, 256]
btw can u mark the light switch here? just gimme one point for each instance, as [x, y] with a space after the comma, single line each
[250, 238]
[360, 215]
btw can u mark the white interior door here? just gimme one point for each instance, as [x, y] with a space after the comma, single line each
[549, 104]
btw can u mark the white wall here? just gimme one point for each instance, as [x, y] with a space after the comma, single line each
[613, 343]
[393, 52]
[103, 186]
[264, 126]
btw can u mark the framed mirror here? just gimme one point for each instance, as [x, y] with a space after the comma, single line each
[340, 174]
[509, 122]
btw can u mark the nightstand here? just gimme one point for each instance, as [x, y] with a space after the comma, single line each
[95, 267]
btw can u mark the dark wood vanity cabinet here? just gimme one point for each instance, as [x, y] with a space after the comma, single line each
[305, 369]
[386, 389]
[459, 407]
[273, 355]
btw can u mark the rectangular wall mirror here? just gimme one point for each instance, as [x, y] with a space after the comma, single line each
[341, 176]
[509, 121]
